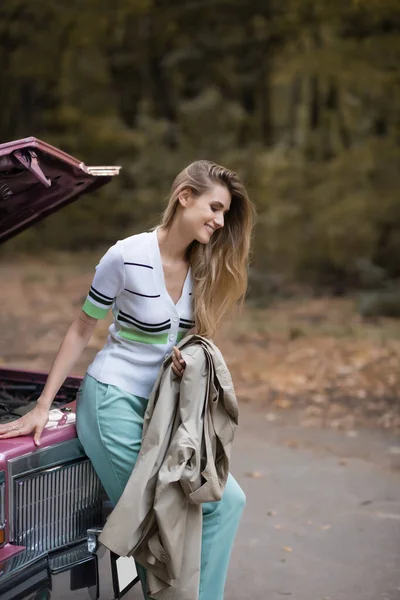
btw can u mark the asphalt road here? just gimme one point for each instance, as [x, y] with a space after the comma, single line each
[322, 519]
[333, 531]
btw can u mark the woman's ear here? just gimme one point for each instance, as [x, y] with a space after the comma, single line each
[184, 196]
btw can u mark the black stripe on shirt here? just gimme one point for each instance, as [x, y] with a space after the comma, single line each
[138, 265]
[143, 295]
[100, 300]
[147, 329]
[121, 312]
[187, 321]
[185, 325]
[100, 294]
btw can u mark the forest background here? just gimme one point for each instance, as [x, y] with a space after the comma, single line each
[301, 97]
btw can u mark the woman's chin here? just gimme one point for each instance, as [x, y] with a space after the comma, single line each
[203, 238]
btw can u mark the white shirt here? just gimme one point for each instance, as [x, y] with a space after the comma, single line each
[147, 324]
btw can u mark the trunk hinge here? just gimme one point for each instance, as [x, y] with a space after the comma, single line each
[30, 161]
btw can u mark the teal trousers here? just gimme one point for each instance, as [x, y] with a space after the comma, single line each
[109, 426]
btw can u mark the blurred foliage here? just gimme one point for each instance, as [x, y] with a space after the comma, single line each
[301, 97]
[380, 303]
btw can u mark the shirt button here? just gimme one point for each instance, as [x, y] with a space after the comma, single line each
[171, 338]
[175, 319]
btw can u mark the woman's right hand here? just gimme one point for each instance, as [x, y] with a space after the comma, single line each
[35, 420]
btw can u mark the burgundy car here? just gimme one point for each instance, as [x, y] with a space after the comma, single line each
[52, 504]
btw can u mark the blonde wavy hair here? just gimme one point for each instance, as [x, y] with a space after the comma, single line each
[219, 268]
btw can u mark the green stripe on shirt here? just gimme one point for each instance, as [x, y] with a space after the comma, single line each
[94, 311]
[142, 336]
[181, 334]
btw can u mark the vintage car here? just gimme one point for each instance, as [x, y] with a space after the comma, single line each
[52, 504]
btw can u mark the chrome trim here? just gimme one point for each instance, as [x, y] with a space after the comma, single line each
[57, 563]
[18, 562]
[69, 558]
[41, 458]
[94, 532]
[45, 457]
[2, 500]
[33, 582]
[3, 520]
[103, 170]
[54, 507]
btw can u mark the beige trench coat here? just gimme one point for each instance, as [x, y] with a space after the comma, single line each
[187, 437]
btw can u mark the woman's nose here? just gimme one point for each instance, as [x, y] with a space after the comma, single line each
[219, 220]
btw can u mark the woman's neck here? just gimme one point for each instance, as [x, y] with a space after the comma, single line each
[173, 243]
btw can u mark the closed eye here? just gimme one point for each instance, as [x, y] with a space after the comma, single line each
[216, 209]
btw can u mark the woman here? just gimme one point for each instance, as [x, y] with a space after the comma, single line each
[182, 276]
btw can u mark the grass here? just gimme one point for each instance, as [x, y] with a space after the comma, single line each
[305, 317]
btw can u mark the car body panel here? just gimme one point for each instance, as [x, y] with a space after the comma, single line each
[36, 180]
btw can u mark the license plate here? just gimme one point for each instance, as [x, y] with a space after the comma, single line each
[124, 574]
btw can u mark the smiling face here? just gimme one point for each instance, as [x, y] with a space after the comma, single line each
[205, 214]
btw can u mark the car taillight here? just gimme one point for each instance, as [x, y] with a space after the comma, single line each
[2, 508]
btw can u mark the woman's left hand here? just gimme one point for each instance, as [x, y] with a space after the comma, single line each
[178, 364]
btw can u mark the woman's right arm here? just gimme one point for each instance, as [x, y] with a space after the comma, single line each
[72, 346]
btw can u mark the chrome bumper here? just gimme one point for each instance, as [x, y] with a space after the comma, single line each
[41, 575]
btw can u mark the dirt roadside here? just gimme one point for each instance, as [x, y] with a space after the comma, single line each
[316, 356]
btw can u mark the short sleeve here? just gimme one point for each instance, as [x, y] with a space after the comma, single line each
[108, 281]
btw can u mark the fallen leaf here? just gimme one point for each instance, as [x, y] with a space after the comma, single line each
[287, 549]
[324, 527]
[254, 474]
[271, 513]
[343, 462]
[283, 402]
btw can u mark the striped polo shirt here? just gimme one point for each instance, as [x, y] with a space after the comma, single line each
[129, 279]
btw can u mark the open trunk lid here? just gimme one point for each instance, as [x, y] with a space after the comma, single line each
[37, 179]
